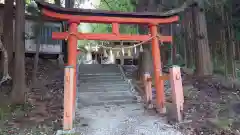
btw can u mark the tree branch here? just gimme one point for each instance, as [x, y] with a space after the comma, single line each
[108, 5]
[183, 7]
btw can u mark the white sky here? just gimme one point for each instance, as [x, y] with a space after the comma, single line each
[90, 4]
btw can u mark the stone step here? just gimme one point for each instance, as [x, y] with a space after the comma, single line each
[102, 85]
[106, 97]
[94, 82]
[99, 67]
[120, 102]
[104, 94]
[100, 77]
[82, 89]
[105, 101]
[100, 74]
[102, 80]
[106, 89]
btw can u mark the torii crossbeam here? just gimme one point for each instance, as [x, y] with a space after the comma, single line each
[76, 16]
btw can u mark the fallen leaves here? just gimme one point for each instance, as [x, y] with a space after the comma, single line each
[45, 99]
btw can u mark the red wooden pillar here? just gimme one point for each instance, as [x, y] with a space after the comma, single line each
[72, 57]
[157, 70]
[115, 28]
[68, 98]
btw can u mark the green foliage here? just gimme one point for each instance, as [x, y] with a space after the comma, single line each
[4, 112]
[28, 1]
[115, 5]
[112, 5]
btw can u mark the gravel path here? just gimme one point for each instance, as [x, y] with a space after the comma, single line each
[128, 119]
[124, 118]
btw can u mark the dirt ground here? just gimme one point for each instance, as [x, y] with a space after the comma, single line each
[211, 108]
[42, 113]
[212, 105]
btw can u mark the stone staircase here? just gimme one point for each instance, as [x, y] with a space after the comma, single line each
[106, 105]
[102, 84]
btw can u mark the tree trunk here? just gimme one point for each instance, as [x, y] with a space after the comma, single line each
[188, 38]
[143, 65]
[37, 30]
[203, 51]
[223, 40]
[194, 39]
[184, 27]
[237, 50]
[36, 57]
[174, 45]
[5, 74]
[8, 28]
[19, 85]
[230, 48]
[145, 58]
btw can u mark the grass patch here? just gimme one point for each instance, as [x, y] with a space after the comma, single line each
[5, 110]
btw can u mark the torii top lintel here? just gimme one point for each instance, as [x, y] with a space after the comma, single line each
[100, 16]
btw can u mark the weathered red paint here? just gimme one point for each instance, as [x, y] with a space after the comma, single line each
[157, 70]
[115, 28]
[93, 36]
[103, 19]
[68, 97]
[72, 57]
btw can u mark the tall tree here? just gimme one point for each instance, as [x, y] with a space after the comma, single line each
[8, 28]
[230, 65]
[187, 24]
[204, 62]
[19, 84]
[145, 57]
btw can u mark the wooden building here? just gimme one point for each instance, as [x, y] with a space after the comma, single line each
[47, 45]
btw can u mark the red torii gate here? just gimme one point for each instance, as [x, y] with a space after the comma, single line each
[76, 16]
